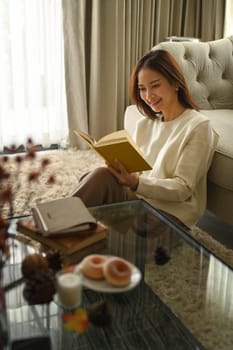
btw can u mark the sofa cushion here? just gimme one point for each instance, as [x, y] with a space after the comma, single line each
[208, 69]
[221, 170]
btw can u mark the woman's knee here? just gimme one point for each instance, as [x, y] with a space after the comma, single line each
[102, 174]
[99, 179]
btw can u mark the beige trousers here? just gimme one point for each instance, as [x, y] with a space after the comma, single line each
[101, 187]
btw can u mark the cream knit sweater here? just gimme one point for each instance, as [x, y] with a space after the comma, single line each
[180, 152]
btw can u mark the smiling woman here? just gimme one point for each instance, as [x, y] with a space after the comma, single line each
[174, 137]
[32, 89]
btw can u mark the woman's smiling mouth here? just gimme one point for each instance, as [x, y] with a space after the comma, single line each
[154, 104]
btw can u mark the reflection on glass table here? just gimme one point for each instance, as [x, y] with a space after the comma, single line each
[183, 301]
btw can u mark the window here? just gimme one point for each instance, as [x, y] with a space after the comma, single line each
[32, 84]
[228, 25]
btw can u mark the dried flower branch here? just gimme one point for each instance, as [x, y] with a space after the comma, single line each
[10, 185]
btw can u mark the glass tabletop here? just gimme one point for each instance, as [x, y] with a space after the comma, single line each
[183, 301]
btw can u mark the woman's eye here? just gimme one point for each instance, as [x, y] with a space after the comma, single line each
[141, 89]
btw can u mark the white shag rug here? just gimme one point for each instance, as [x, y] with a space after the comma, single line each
[198, 290]
[67, 166]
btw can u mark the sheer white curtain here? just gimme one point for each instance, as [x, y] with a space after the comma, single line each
[32, 87]
[228, 24]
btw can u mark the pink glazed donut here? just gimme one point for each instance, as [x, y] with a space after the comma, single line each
[92, 266]
[117, 271]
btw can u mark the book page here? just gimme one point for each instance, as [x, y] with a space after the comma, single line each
[114, 137]
[120, 134]
[85, 136]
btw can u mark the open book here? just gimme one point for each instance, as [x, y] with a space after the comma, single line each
[118, 145]
[62, 216]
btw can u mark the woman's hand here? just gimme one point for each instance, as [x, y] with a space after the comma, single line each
[124, 178]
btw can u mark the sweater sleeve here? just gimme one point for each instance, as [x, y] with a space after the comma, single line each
[192, 165]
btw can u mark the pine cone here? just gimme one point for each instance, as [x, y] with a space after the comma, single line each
[40, 287]
[161, 256]
[54, 258]
[100, 313]
[31, 263]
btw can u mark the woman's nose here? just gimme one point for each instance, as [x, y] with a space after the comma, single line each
[149, 95]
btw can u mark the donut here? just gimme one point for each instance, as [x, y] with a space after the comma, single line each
[117, 271]
[92, 266]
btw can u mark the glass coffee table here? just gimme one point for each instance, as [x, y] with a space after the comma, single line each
[183, 301]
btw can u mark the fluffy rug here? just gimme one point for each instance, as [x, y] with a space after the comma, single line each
[67, 167]
[200, 295]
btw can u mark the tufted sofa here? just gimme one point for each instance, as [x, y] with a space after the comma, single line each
[208, 69]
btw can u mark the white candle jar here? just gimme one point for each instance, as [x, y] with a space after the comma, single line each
[69, 289]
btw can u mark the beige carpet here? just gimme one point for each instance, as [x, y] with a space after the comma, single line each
[166, 280]
[67, 167]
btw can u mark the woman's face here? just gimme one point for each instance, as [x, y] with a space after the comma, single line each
[156, 91]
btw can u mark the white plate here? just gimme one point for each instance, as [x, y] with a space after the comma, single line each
[105, 287]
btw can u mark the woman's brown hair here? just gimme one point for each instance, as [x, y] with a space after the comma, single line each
[164, 63]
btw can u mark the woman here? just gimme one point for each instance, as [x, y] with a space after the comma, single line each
[175, 138]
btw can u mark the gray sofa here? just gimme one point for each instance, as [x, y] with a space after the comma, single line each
[208, 69]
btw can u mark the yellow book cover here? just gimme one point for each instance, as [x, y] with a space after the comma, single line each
[118, 145]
